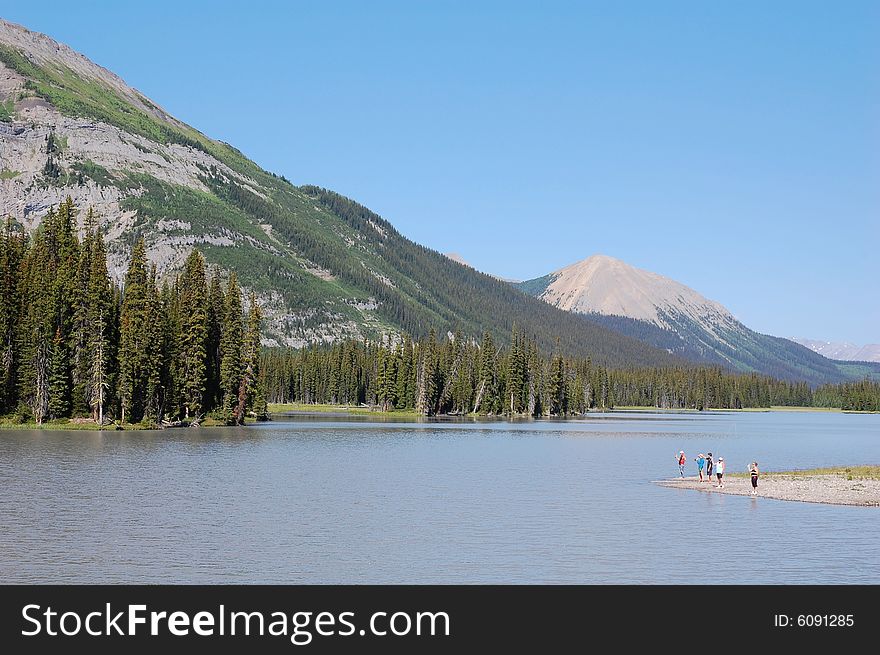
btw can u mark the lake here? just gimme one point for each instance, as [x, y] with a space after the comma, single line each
[345, 500]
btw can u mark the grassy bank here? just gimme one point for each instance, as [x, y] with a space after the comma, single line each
[7, 424]
[282, 408]
[866, 472]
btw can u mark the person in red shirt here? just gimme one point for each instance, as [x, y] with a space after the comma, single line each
[682, 460]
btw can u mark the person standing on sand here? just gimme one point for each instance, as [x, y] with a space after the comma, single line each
[701, 462]
[753, 472]
[719, 472]
[709, 467]
[682, 460]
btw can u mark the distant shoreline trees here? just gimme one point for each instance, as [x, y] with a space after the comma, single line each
[74, 344]
[459, 376]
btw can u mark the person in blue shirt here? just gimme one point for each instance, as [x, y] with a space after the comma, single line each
[701, 462]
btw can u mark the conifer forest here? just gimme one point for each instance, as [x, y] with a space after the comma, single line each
[75, 344]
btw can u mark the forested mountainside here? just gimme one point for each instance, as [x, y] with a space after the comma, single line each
[323, 267]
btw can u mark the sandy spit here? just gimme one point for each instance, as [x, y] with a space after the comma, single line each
[827, 489]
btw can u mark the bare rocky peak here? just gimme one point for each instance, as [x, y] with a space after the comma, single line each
[607, 285]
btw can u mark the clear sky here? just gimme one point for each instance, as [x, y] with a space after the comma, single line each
[733, 146]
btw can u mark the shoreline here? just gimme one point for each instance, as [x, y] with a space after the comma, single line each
[79, 426]
[292, 410]
[772, 408]
[363, 410]
[842, 486]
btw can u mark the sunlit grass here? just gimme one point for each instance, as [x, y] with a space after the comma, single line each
[280, 408]
[866, 472]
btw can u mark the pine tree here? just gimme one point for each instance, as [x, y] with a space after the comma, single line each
[13, 244]
[251, 391]
[516, 374]
[426, 377]
[487, 393]
[386, 378]
[403, 381]
[81, 329]
[171, 364]
[216, 308]
[133, 333]
[557, 387]
[153, 406]
[59, 378]
[99, 374]
[194, 334]
[231, 364]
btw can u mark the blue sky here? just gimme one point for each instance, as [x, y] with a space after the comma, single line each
[733, 146]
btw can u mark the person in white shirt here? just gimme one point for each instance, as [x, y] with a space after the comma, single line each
[719, 471]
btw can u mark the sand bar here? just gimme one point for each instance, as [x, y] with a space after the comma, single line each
[827, 488]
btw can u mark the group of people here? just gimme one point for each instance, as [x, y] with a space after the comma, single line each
[717, 466]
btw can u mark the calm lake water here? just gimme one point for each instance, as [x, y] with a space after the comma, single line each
[330, 500]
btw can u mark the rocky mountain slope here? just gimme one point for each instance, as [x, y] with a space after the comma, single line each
[670, 315]
[324, 267]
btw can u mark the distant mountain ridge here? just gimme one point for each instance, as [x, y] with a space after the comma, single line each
[667, 314]
[842, 349]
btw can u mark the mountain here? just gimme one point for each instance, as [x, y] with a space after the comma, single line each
[323, 267]
[842, 350]
[670, 315]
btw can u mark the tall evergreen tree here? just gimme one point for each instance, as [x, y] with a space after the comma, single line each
[194, 334]
[59, 378]
[216, 307]
[99, 318]
[153, 408]
[231, 365]
[134, 331]
[171, 367]
[13, 245]
[252, 393]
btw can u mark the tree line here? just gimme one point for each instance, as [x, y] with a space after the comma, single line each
[456, 375]
[73, 343]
